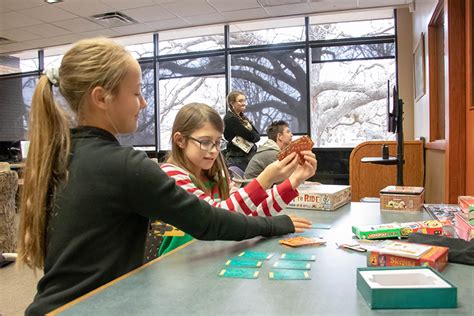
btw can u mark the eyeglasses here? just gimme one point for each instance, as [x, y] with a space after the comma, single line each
[207, 145]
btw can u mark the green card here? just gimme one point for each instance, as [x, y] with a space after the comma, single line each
[239, 273]
[298, 256]
[294, 265]
[288, 275]
[244, 263]
[256, 255]
[321, 226]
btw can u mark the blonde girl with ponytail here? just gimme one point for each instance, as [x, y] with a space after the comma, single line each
[87, 200]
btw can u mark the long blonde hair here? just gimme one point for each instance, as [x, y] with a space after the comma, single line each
[88, 64]
[190, 118]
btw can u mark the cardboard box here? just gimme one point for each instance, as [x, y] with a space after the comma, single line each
[401, 198]
[464, 202]
[405, 287]
[400, 230]
[462, 226]
[323, 197]
[433, 256]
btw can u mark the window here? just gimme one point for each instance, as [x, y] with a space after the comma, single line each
[191, 40]
[274, 84]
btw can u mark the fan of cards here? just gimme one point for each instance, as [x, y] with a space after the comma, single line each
[297, 146]
[302, 241]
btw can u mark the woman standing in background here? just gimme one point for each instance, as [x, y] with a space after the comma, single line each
[239, 132]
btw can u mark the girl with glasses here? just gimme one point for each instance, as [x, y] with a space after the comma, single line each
[197, 165]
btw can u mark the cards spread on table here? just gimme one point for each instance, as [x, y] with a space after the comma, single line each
[244, 263]
[298, 256]
[239, 273]
[321, 226]
[302, 241]
[256, 255]
[295, 265]
[289, 275]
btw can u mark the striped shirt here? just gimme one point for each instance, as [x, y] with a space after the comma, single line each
[250, 200]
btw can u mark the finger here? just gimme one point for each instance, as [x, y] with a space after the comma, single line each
[288, 158]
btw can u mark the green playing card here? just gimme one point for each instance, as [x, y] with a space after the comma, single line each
[239, 273]
[295, 265]
[321, 226]
[298, 256]
[256, 255]
[289, 275]
[245, 263]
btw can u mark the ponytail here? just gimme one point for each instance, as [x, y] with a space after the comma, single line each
[46, 166]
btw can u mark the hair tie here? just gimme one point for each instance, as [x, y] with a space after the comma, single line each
[53, 76]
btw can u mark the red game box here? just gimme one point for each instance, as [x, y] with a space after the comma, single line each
[436, 257]
[464, 202]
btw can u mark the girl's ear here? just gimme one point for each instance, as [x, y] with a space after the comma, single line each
[98, 98]
[179, 139]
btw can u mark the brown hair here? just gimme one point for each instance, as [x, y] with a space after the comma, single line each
[191, 117]
[88, 64]
[275, 128]
[232, 97]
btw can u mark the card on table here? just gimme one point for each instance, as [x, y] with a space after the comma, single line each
[239, 273]
[257, 255]
[294, 265]
[302, 241]
[298, 256]
[244, 263]
[321, 226]
[288, 275]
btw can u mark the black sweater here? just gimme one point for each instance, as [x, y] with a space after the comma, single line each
[234, 127]
[97, 228]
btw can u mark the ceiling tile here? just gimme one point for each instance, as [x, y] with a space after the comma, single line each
[99, 33]
[377, 3]
[118, 5]
[14, 47]
[288, 9]
[46, 30]
[206, 19]
[242, 15]
[231, 5]
[132, 29]
[48, 13]
[18, 35]
[168, 24]
[78, 25]
[325, 6]
[149, 14]
[21, 4]
[85, 8]
[189, 8]
[12, 20]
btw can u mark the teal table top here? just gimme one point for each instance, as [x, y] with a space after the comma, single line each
[187, 282]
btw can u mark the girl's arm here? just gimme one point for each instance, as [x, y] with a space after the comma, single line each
[250, 200]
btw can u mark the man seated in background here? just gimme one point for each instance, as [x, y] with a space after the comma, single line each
[279, 136]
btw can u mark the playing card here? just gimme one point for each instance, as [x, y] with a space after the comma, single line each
[244, 263]
[321, 226]
[257, 255]
[294, 265]
[302, 143]
[239, 273]
[302, 241]
[298, 256]
[288, 275]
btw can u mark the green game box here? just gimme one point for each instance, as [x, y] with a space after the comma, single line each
[405, 287]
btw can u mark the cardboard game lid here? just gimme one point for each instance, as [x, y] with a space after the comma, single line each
[394, 189]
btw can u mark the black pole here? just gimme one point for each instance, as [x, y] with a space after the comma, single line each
[400, 142]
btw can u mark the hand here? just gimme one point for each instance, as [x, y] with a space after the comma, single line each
[278, 171]
[305, 170]
[300, 223]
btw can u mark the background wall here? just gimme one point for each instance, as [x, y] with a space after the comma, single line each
[435, 159]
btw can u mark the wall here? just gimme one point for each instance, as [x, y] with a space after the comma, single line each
[435, 159]
[405, 70]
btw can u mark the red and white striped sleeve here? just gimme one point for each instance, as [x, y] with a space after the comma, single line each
[279, 196]
[245, 200]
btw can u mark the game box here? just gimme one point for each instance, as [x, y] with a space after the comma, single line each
[405, 287]
[395, 253]
[323, 197]
[402, 198]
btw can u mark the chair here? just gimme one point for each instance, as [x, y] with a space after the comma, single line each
[238, 176]
[367, 179]
[8, 228]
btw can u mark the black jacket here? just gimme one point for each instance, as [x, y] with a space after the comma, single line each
[234, 127]
[97, 228]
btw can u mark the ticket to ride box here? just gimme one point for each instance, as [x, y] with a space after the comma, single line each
[402, 198]
[323, 197]
[405, 287]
